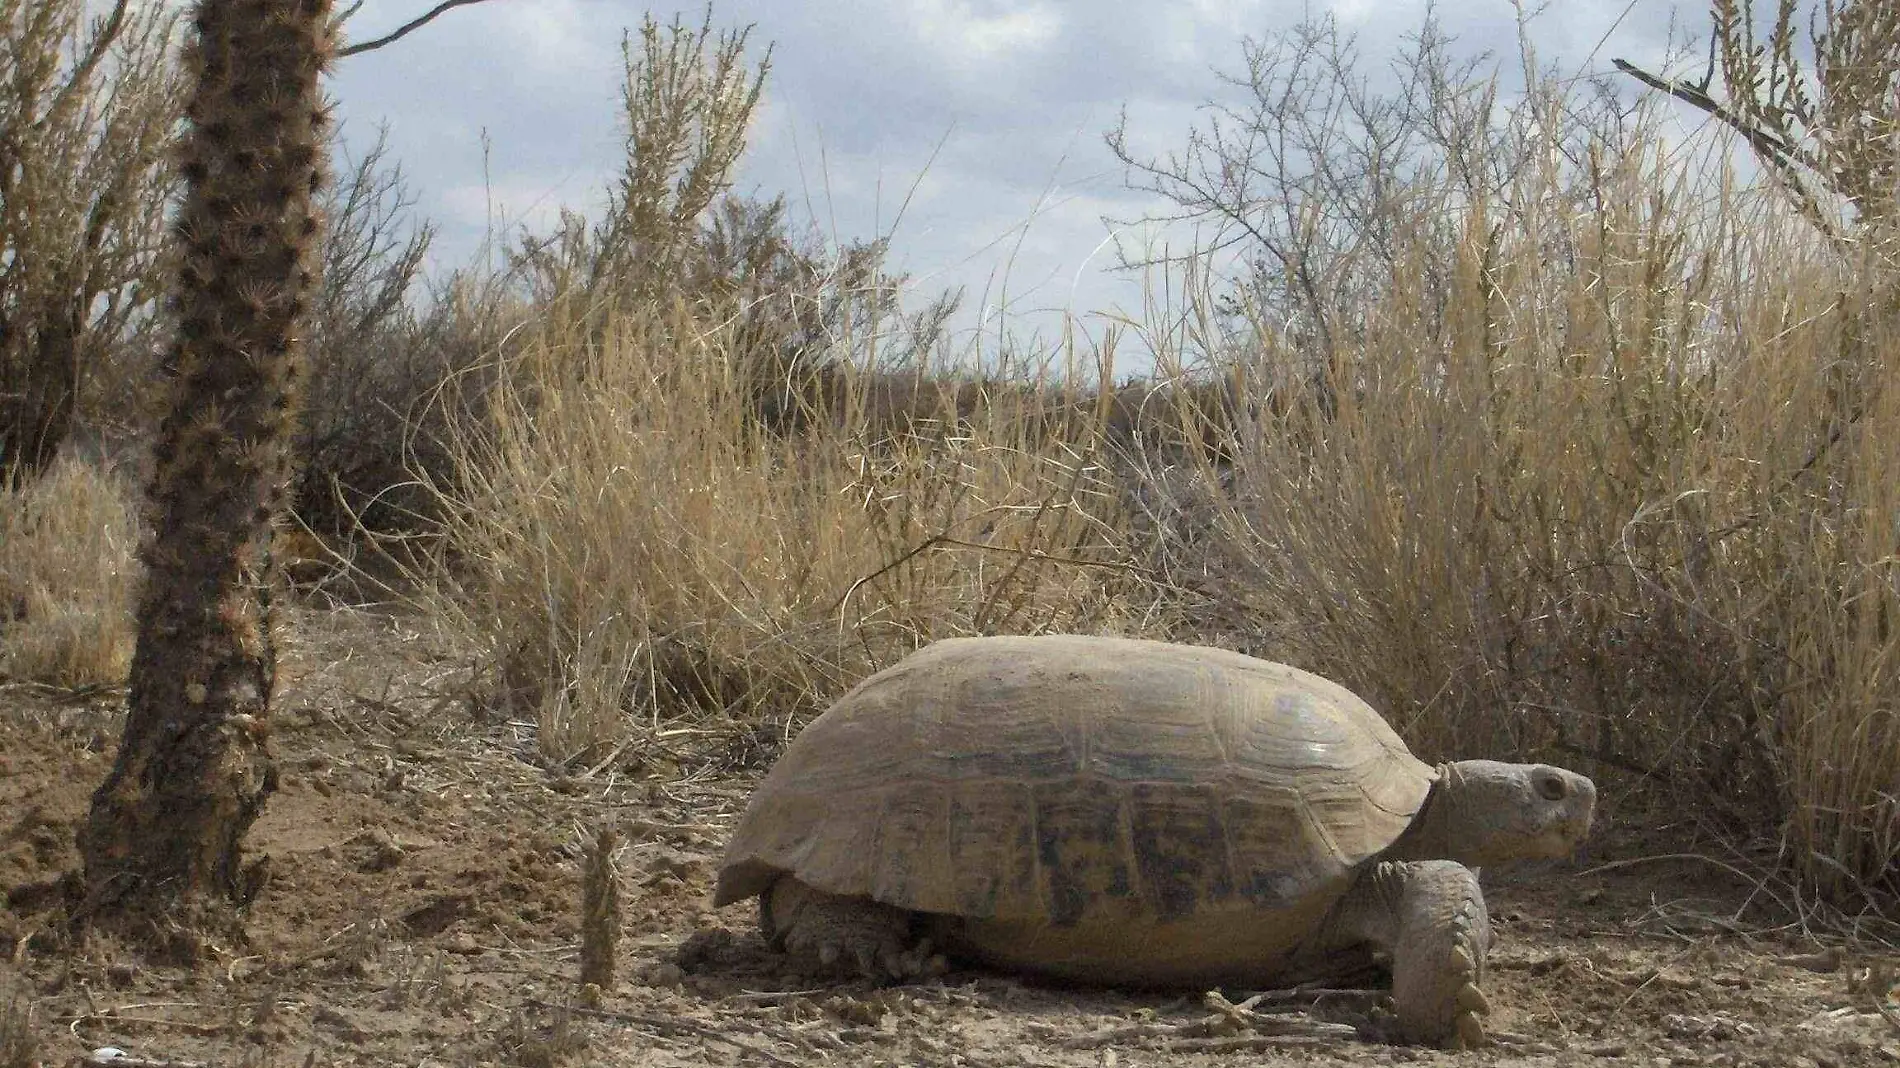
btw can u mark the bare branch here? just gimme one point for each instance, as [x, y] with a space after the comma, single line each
[1774, 148]
[405, 30]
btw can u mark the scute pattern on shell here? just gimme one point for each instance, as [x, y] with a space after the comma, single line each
[1064, 777]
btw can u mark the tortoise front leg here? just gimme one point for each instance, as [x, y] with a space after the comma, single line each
[1429, 915]
[844, 932]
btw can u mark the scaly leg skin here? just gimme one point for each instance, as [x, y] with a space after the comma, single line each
[1430, 916]
[844, 933]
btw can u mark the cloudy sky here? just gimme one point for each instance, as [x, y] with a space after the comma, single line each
[988, 115]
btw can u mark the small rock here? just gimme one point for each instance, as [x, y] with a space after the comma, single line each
[672, 864]
[665, 974]
[377, 850]
[707, 949]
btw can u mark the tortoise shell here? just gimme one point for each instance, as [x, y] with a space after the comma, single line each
[1064, 779]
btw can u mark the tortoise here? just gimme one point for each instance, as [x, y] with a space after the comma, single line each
[1138, 813]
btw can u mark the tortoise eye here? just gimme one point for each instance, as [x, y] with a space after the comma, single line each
[1551, 787]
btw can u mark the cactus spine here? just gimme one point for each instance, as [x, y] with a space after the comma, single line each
[194, 765]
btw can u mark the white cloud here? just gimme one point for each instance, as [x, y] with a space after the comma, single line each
[1017, 94]
[976, 35]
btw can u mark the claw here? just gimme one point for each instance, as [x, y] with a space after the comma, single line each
[1471, 999]
[1462, 960]
[1471, 1033]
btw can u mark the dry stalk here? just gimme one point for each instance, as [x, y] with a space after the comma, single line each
[600, 917]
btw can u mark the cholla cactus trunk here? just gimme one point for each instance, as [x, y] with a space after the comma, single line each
[194, 766]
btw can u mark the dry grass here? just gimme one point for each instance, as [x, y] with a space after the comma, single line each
[663, 510]
[67, 577]
[1609, 477]
[633, 543]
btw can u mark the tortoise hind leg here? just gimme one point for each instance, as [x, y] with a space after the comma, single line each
[840, 932]
[1430, 917]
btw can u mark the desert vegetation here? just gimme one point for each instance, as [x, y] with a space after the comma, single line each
[1556, 425]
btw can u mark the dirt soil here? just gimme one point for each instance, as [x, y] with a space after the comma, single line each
[424, 900]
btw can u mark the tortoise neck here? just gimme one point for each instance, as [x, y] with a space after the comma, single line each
[1433, 832]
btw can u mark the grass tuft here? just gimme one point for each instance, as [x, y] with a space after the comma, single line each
[634, 545]
[67, 577]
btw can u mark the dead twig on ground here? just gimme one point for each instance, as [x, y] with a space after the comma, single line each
[667, 1025]
[117, 1017]
[1231, 1027]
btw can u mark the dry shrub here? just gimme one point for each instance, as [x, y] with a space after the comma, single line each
[67, 577]
[374, 359]
[1606, 474]
[1560, 438]
[712, 474]
[634, 543]
[88, 98]
[1799, 559]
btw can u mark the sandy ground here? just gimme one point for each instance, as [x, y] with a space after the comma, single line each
[425, 892]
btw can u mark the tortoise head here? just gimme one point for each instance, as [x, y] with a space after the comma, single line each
[1489, 812]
